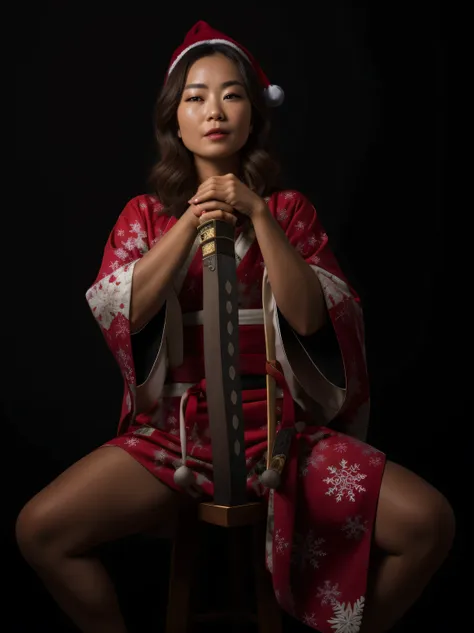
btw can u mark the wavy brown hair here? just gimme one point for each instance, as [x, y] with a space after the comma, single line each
[173, 178]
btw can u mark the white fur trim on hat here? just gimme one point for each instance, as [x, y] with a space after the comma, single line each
[200, 43]
[274, 95]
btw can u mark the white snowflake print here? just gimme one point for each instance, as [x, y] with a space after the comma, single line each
[328, 593]
[322, 445]
[111, 296]
[344, 481]
[288, 195]
[132, 441]
[340, 447]
[280, 543]
[282, 215]
[375, 461]
[300, 225]
[160, 457]
[314, 259]
[120, 233]
[142, 206]
[309, 619]
[124, 359]
[121, 253]
[172, 420]
[311, 460]
[312, 240]
[114, 265]
[370, 450]
[122, 328]
[137, 228]
[195, 437]
[306, 549]
[354, 528]
[136, 242]
[347, 619]
[342, 312]
[366, 448]
[335, 290]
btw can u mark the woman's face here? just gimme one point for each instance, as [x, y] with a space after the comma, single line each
[214, 98]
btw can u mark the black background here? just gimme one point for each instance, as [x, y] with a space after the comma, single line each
[363, 133]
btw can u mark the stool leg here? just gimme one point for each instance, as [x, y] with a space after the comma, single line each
[238, 559]
[268, 609]
[183, 559]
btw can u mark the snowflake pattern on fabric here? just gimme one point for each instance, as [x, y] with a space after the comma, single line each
[347, 619]
[309, 620]
[344, 481]
[313, 545]
[328, 593]
[307, 549]
[354, 527]
[108, 297]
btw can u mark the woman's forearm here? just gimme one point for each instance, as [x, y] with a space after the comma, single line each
[155, 270]
[297, 291]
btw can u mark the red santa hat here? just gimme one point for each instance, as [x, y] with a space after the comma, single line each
[202, 33]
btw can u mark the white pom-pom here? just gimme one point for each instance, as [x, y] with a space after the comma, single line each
[270, 478]
[183, 477]
[274, 95]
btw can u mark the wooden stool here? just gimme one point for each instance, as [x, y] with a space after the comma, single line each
[187, 543]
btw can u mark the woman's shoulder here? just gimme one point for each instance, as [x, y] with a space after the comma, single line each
[285, 204]
[146, 203]
[287, 197]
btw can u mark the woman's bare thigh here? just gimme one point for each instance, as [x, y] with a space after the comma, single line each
[104, 496]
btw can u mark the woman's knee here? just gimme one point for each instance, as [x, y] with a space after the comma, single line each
[35, 532]
[413, 515]
[436, 523]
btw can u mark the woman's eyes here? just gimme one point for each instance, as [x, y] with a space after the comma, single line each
[231, 95]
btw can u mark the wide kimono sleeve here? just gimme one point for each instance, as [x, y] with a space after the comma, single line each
[109, 298]
[326, 371]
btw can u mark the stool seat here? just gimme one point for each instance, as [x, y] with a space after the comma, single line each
[232, 516]
[245, 553]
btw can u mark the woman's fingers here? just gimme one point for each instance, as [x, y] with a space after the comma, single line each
[214, 205]
[218, 214]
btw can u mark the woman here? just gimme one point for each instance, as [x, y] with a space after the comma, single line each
[342, 508]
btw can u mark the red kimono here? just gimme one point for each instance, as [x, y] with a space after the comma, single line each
[321, 518]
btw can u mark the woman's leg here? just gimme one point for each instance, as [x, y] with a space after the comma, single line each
[414, 531]
[104, 496]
